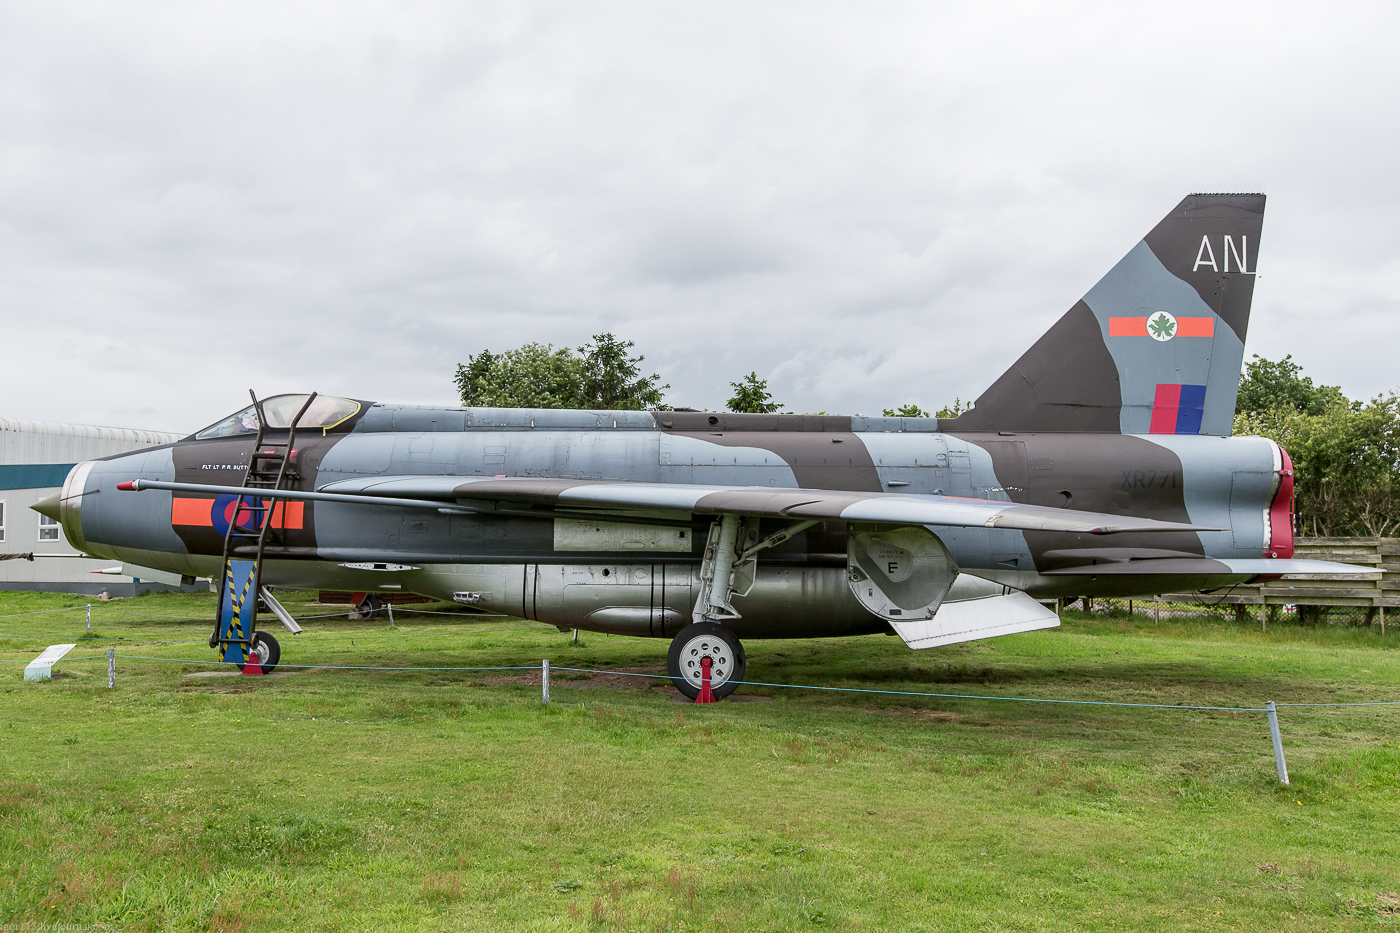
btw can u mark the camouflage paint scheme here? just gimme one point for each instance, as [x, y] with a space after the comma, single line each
[1074, 427]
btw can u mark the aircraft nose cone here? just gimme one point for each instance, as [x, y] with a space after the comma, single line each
[49, 506]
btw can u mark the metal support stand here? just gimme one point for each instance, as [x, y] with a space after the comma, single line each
[544, 681]
[1278, 743]
[576, 636]
[111, 668]
[89, 620]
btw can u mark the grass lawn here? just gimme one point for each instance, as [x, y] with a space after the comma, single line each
[337, 799]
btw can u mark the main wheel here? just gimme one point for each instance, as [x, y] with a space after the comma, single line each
[371, 607]
[266, 652]
[701, 640]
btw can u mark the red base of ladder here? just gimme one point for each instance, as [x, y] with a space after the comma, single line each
[252, 669]
[706, 694]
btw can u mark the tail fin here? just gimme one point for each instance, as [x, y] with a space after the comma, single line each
[1155, 347]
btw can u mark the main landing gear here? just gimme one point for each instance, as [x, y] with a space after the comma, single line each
[707, 646]
[690, 648]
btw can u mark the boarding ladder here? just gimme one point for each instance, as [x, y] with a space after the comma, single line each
[269, 467]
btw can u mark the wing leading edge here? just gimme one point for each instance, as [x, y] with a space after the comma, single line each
[890, 508]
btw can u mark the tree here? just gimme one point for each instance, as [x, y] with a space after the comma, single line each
[471, 378]
[1346, 463]
[613, 381]
[599, 375]
[1267, 385]
[751, 395]
[955, 409]
[534, 376]
[905, 411]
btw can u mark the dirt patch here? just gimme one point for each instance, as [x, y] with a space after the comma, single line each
[624, 678]
[915, 715]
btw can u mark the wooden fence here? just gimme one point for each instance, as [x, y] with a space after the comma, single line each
[1315, 593]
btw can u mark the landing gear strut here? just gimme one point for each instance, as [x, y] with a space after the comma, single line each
[729, 556]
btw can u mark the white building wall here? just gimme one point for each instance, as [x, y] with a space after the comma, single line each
[28, 443]
[53, 442]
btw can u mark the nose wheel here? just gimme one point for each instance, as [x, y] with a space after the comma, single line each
[696, 642]
[266, 652]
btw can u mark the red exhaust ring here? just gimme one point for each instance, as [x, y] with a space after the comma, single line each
[1281, 512]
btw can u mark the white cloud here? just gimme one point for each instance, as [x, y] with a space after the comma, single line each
[870, 205]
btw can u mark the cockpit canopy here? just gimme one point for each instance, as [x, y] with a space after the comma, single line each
[326, 412]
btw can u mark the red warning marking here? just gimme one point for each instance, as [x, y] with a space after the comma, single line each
[200, 513]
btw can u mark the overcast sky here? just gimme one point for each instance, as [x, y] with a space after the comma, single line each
[868, 204]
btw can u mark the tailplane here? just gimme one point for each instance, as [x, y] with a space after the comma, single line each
[1155, 347]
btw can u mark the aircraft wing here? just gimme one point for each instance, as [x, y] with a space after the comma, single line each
[796, 504]
[1221, 566]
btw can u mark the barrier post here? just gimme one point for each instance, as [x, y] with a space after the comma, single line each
[390, 606]
[111, 668]
[89, 619]
[1157, 610]
[544, 681]
[1278, 743]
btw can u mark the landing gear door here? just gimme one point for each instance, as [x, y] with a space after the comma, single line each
[898, 573]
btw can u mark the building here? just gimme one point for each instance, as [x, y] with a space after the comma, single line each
[35, 457]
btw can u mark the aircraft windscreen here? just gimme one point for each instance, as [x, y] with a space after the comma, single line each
[326, 411]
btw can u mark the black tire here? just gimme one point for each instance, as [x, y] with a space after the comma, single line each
[696, 641]
[371, 607]
[266, 652]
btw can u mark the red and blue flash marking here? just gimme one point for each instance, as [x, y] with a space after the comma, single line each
[1177, 409]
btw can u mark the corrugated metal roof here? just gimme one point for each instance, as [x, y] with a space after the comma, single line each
[54, 442]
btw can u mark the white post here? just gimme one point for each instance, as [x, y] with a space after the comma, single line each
[111, 668]
[544, 680]
[89, 619]
[390, 606]
[1278, 743]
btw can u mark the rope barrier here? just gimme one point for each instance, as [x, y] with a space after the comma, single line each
[326, 667]
[755, 683]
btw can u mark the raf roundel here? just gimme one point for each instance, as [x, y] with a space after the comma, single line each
[1161, 326]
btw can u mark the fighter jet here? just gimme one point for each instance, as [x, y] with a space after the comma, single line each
[1099, 464]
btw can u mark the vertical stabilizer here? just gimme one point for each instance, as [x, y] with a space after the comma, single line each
[1155, 347]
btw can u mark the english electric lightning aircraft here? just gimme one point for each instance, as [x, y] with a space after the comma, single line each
[1100, 464]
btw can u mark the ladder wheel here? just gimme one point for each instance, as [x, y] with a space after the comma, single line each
[266, 652]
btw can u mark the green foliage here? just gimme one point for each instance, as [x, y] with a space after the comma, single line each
[533, 376]
[1268, 384]
[751, 395]
[600, 375]
[1346, 462]
[952, 411]
[612, 380]
[1346, 454]
[914, 411]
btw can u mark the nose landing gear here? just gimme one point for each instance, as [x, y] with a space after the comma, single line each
[695, 643]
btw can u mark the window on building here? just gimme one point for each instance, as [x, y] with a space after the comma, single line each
[48, 528]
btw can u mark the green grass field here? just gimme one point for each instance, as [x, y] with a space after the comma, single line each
[454, 800]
